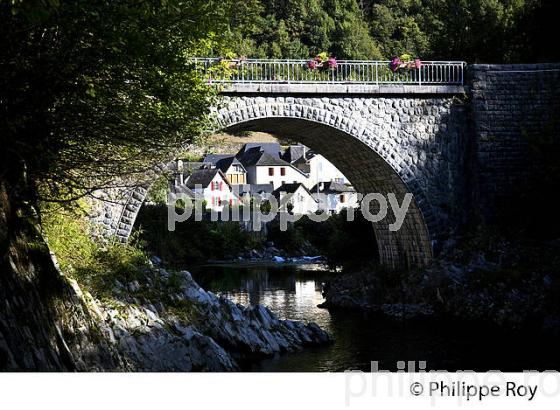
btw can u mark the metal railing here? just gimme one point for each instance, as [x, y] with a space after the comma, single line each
[256, 71]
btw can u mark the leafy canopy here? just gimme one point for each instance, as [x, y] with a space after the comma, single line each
[95, 89]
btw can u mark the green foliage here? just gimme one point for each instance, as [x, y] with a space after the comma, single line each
[191, 242]
[303, 28]
[94, 90]
[471, 30]
[291, 240]
[65, 230]
[96, 267]
[159, 190]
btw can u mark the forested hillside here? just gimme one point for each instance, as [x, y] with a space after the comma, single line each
[490, 31]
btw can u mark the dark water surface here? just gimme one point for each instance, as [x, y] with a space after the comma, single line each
[293, 292]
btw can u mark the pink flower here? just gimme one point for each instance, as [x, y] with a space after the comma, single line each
[312, 64]
[394, 64]
[331, 62]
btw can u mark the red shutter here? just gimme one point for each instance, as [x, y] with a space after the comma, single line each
[212, 185]
[230, 202]
[221, 185]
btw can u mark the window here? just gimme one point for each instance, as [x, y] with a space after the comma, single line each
[282, 171]
[215, 185]
[342, 199]
[270, 172]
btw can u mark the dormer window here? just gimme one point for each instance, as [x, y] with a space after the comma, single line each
[270, 172]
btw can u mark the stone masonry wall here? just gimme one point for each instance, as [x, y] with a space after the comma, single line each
[511, 106]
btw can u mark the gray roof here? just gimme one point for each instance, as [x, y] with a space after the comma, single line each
[214, 158]
[332, 188]
[293, 153]
[225, 163]
[202, 177]
[272, 148]
[299, 153]
[255, 157]
[290, 189]
[303, 165]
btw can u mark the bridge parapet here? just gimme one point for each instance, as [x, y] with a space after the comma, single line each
[345, 77]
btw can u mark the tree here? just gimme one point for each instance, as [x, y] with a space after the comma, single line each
[351, 38]
[94, 90]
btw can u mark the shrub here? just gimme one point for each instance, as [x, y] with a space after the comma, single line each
[192, 241]
[94, 266]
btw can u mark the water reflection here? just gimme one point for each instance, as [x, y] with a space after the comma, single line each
[293, 292]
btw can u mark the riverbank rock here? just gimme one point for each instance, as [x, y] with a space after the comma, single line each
[150, 343]
[246, 332]
[192, 329]
[514, 285]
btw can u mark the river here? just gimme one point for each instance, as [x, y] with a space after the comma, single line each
[293, 292]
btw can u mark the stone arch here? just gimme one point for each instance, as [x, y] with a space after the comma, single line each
[383, 144]
[370, 165]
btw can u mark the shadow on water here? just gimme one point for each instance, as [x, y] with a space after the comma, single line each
[292, 292]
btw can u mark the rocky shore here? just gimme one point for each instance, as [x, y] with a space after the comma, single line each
[190, 329]
[270, 253]
[513, 285]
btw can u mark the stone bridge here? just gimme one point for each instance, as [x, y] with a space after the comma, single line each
[457, 145]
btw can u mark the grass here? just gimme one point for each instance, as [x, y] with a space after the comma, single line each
[95, 266]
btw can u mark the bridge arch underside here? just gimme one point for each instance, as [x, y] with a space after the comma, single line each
[369, 172]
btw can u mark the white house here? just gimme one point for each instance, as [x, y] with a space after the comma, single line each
[233, 170]
[212, 186]
[264, 168]
[334, 196]
[317, 167]
[295, 198]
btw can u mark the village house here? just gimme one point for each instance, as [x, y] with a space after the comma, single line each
[263, 167]
[233, 170]
[212, 186]
[335, 196]
[317, 167]
[183, 169]
[295, 198]
[259, 190]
